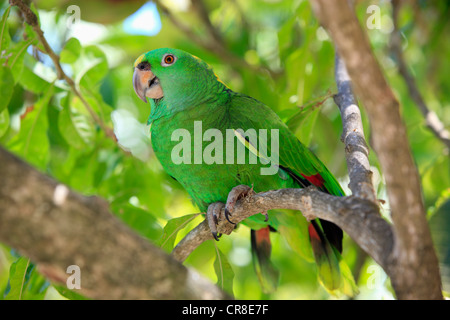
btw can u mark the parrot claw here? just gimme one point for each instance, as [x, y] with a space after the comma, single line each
[228, 215]
[266, 214]
[212, 217]
[216, 235]
[235, 194]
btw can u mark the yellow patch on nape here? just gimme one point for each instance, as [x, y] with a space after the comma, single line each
[195, 57]
[218, 79]
[139, 59]
[208, 66]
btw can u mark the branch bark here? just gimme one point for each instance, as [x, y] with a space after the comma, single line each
[56, 228]
[356, 149]
[358, 217]
[414, 270]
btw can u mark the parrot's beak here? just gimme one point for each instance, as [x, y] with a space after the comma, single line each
[146, 84]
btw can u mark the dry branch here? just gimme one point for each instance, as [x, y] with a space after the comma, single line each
[358, 217]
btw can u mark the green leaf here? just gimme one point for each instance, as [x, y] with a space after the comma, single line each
[91, 67]
[224, 272]
[303, 121]
[71, 51]
[16, 60]
[69, 294]
[32, 82]
[4, 122]
[140, 220]
[6, 86]
[5, 38]
[17, 278]
[172, 228]
[74, 124]
[32, 141]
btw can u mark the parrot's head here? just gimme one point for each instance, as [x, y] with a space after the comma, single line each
[172, 74]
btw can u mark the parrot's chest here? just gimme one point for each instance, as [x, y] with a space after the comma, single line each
[202, 152]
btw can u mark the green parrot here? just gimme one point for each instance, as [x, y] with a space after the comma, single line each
[220, 144]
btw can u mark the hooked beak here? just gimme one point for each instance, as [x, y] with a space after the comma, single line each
[146, 84]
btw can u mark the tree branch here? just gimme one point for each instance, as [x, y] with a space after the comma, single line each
[356, 149]
[56, 228]
[414, 271]
[431, 119]
[358, 217]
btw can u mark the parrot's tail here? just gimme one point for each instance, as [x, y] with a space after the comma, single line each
[334, 274]
[267, 274]
[326, 255]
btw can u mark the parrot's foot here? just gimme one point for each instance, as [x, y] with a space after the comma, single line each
[213, 216]
[214, 212]
[235, 194]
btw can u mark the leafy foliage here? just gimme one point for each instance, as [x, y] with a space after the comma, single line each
[274, 51]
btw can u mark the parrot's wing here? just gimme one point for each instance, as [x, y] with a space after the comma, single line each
[306, 169]
[293, 157]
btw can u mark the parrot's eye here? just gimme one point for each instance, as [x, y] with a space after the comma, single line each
[168, 60]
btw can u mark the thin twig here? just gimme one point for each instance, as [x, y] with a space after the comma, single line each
[32, 20]
[432, 121]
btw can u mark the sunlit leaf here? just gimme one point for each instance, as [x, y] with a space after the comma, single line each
[69, 294]
[6, 86]
[17, 278]
[172, 228]
[71, 51]
[31, 81]
[16, 60]
[4, 122]
[32, 141]
[74, 124]
[224, 272]
[140, 220]
[91, 67]
[5, 38]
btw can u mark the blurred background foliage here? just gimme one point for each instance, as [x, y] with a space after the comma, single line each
[273, 50]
